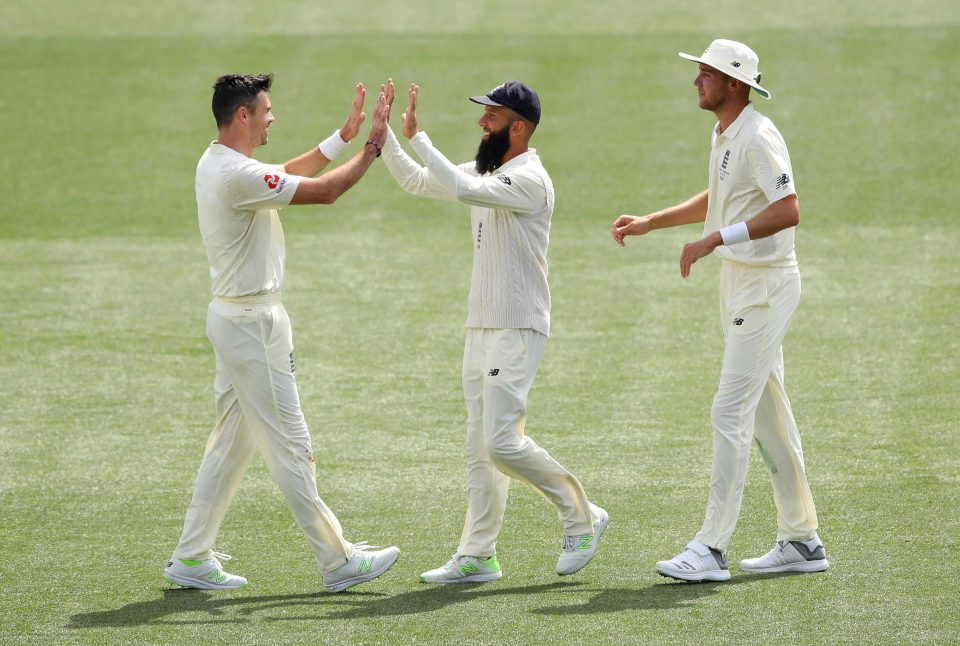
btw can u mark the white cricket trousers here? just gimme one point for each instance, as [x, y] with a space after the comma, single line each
[498, 370]
[258, 407]
[756, 307]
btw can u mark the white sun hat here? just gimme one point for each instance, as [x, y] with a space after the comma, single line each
[733, 59]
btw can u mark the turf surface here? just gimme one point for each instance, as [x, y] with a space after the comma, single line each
[105, 372]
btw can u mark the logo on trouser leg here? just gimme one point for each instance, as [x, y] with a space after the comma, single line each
[735, 322]
[293, 368]
[493, 372]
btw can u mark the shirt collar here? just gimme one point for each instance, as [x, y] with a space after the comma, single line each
[218, 147]
[734, 127]
[519, 160]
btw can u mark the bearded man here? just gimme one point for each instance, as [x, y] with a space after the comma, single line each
[508, 320]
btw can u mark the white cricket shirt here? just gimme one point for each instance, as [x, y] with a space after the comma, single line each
[510, 212]
[749, 170]
[237, 198]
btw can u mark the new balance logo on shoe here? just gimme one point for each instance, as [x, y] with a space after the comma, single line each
[586, 542]
[468, 568]
[364, 566]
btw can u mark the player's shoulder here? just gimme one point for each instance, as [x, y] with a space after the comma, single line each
[762, 132]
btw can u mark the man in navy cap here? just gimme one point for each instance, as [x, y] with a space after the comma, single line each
[508, 320]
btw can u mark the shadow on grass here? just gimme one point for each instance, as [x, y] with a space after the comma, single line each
[206, 607]
[433, 598]
[203, 607]
[659, 596]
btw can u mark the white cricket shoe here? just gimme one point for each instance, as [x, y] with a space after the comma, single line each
[465, 569]
[367, 563]
[206, 574]
[697, 562]
[790, 556]
[577, 551]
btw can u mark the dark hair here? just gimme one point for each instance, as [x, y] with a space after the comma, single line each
[234, 90]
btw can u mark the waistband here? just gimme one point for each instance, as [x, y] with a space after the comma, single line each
[256, 299]
[733, 265]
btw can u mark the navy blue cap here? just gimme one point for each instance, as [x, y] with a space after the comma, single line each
[516, 96]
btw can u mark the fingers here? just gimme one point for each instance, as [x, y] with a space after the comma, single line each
[360, 97]
[687, 258]
[389, 91]
[617, 234]
[412, 97]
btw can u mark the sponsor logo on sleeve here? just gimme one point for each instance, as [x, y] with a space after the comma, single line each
[782, 181]
[274, 182]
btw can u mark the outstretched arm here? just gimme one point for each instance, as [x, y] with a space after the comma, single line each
[316, 159]
[690, 212]
[329, 186]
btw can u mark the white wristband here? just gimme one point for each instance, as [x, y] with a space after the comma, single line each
[332, 146]
[735, 233]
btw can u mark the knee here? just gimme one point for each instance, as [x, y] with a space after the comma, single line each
[505, 452]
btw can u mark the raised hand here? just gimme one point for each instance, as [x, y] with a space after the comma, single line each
[410, 126]
[378, 127]
[389, 93]
[351, 126]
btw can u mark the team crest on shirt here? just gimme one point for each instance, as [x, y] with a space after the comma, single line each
[723, 165]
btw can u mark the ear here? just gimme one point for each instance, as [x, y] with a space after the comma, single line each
[518, 129]
[242, 113]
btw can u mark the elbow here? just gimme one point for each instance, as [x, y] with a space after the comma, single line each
[327, 198]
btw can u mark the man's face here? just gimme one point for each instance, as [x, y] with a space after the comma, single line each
[260, 119]
[496, 122]
[712, 87]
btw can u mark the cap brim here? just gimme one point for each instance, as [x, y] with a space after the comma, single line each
[756, 86]
[485, 100]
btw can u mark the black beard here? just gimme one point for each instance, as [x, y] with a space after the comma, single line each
[490, 153]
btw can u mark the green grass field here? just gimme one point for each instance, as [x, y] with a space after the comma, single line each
[106, 375]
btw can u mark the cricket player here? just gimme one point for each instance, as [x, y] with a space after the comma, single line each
[749, 211]
[258, 405]
[508, 320]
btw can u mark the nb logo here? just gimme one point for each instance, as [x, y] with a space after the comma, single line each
[783, 180]
[503, 178]
[293, 368]
[738, 321]
[493, 372]
[735, 63]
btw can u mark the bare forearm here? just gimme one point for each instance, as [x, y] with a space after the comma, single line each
[329, 186]
[308, 164]
[689, 212]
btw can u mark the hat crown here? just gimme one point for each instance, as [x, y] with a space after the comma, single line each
[733, 58]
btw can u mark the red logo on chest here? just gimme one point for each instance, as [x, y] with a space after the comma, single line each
[271, 180]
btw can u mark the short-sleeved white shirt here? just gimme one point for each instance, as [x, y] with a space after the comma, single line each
[237, 199]
[749, 170]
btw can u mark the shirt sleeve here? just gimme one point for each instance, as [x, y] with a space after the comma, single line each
[411, 176]
[770, 162]
[257, 186]
[516, 191]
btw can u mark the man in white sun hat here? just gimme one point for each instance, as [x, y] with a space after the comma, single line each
[749, 211]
